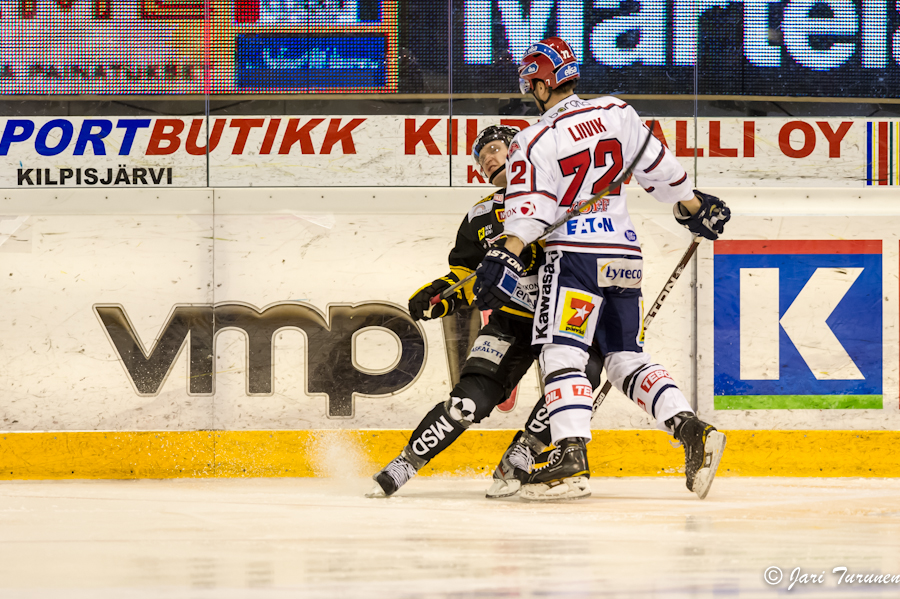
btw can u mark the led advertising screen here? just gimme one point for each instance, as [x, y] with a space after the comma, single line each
[787, 48]
[823, 48]
[314, 45]
[197, 46]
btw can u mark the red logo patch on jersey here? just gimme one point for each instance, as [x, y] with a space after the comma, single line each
[583, 309]
[527, 209]
[602, 205]
[575, 314]
[653, 378]
[582, 391]
[514, 147]
[551, 396]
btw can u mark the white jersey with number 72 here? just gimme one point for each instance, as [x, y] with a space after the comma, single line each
[575, 151]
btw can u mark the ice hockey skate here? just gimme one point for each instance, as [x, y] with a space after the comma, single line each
[515, 466]
[393, 476]
[703, 449]
[564, 477]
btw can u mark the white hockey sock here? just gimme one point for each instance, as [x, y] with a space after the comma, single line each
[653, 389]
[569, 401]
[649, 385]
[671, 401]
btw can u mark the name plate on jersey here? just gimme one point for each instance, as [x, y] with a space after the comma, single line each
[620, 272]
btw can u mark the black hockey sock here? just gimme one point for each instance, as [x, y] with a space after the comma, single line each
[435, 433]
[539, 423]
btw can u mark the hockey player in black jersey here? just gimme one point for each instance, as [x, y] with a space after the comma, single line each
[502, 352]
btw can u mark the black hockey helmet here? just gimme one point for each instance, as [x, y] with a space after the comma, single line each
[489, 134]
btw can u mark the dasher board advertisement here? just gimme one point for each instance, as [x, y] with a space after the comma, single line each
[288, 319]
[397, 150]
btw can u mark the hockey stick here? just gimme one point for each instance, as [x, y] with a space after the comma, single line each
[572, 212]
[651, 314]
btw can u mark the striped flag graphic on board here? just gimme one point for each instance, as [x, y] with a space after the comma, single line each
[883, 153]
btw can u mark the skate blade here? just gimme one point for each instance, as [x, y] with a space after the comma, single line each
[715, 446]
[377, 493]
[503, 488]
[575, 487]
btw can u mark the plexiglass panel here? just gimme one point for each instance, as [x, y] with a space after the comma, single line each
[122, 124]
[106, 222]
[797, 94]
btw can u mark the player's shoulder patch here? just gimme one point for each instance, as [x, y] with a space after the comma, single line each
[481, 207]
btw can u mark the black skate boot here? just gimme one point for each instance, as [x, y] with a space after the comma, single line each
[395, 474]
[515, 465]
[564, 477]
[703, 448]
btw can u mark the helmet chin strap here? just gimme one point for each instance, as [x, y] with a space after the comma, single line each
[541, 103]
[496, 173]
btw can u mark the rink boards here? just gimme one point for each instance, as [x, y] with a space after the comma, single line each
[411, 150]
[359, 453]
[188, 332]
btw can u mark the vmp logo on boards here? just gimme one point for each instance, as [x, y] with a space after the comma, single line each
[331, 366]
[798, 324]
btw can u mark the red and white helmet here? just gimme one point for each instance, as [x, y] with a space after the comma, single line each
[551, 60]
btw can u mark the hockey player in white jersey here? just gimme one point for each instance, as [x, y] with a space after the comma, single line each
[590, 284]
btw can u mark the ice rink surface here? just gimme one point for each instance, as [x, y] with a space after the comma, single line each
[439, 537]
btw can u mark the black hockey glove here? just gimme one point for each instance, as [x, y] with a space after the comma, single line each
[496, 278]
[709, 221]
[420, 306]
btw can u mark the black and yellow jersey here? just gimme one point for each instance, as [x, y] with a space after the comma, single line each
[482, 228]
